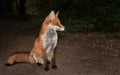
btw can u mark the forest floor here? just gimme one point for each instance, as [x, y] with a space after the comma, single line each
[91, 53]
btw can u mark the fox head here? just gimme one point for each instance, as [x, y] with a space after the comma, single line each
[52, 21]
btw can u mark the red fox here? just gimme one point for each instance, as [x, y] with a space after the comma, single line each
[43, 51]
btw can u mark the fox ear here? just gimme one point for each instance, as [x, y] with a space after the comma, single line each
[57, 13]
[51, 15]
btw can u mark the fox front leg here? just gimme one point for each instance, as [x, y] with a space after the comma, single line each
[53, 62]
[46, 64]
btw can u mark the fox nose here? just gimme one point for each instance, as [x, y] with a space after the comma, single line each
[62, 28]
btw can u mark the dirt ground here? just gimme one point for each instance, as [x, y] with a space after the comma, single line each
[77, 54]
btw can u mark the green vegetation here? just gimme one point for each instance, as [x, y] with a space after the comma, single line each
[76, 15]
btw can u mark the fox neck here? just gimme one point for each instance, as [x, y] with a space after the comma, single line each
[48, 30]
[49, 37]
[50, 33]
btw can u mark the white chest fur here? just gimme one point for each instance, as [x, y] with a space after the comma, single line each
[50, 39]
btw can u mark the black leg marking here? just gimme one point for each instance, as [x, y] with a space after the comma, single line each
[54, 66]
[48, 62]
[46, 65]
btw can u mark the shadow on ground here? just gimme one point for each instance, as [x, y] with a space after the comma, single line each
[77, 54]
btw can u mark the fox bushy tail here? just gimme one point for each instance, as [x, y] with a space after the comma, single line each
[19, 58]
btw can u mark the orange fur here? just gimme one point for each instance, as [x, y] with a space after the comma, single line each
[38, 53]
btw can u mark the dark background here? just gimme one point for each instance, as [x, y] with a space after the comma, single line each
[77, 15]
[90, 44]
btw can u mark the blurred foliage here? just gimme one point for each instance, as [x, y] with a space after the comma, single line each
[76, 15]
[104, 15]
[84, 15]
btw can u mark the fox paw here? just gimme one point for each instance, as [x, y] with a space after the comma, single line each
[39, 64]
[54, 66]
[46, 69]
